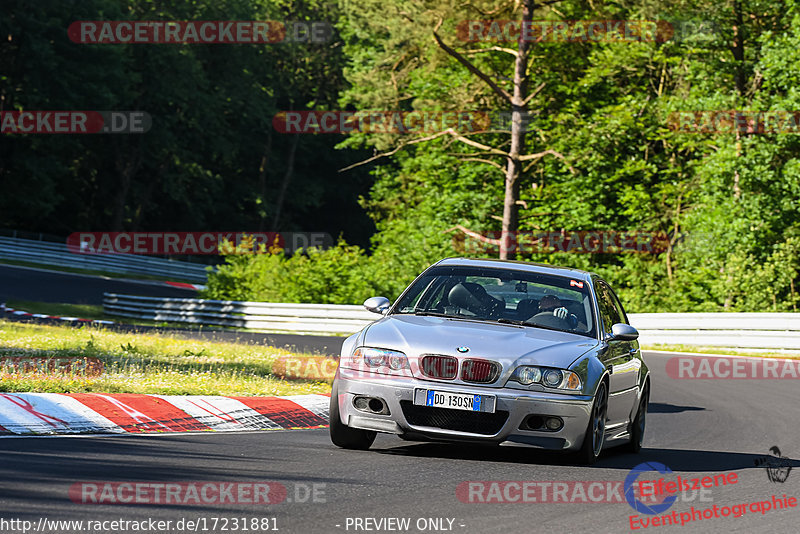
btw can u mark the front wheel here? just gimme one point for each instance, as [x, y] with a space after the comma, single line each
[638, 424]
[596, 430]
[342, 435]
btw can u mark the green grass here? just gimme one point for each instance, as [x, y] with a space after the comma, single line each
[767, 353]
[147, 363]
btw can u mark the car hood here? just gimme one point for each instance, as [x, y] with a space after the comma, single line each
[507, 344]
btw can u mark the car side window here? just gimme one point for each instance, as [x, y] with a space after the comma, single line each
[623, 318]
[608, 311]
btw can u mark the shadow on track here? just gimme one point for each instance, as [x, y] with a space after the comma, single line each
[662, 407]
[614, 458]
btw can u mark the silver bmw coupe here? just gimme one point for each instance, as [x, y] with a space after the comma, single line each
[490, 351]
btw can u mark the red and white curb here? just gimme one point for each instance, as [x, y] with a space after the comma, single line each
[184, 285]
[22, 313]
[119, 413]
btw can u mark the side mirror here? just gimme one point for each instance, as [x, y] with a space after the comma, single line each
[377, 305]
[623, 332]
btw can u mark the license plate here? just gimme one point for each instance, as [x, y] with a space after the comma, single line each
[458, 401]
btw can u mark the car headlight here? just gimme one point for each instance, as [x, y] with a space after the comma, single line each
[552, 378]
[527, 375]
[381, 360]
[548, 377]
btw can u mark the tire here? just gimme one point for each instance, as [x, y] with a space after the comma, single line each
[594, 438]
[639, 423]
[342, 435]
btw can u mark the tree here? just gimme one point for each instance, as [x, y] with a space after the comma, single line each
[516, 100]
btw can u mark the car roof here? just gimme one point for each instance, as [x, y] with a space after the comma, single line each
[527, 266]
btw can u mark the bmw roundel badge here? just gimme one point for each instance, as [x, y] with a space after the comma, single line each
[462, 349]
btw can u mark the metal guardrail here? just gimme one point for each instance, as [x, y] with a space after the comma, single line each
[735, 330]
[57, 254]
[731, 330]
[276, 317]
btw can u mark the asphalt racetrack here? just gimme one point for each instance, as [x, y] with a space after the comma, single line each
[42, 285]
[695, 427]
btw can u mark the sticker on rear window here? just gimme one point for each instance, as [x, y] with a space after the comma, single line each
[576, 283]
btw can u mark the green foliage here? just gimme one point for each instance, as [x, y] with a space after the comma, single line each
[211, 161]
[332, 276]
[728, 203]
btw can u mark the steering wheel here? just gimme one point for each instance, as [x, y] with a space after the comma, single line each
[549, 319]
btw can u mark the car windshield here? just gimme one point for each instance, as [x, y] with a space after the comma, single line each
[502, 295]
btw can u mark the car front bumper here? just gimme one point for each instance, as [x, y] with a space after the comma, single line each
[398, 395]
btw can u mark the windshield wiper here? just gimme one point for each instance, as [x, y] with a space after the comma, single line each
[458, 316]
[432, 313]
[503, 320]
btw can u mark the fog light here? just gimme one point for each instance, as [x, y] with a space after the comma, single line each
[534, 422]
[552, 378]
[553, 423]
[376, 405]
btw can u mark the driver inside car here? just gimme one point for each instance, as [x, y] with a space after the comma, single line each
[551, 305]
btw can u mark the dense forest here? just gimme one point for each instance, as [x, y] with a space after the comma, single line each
[619, 133]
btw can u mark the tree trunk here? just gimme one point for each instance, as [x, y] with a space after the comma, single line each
[126, 166]
[738, 56]
[508, 238]
[262, 182]
[287, 177]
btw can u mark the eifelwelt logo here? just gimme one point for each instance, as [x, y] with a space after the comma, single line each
[632, 497]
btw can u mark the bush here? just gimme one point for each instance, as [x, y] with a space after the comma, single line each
[334, 276]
